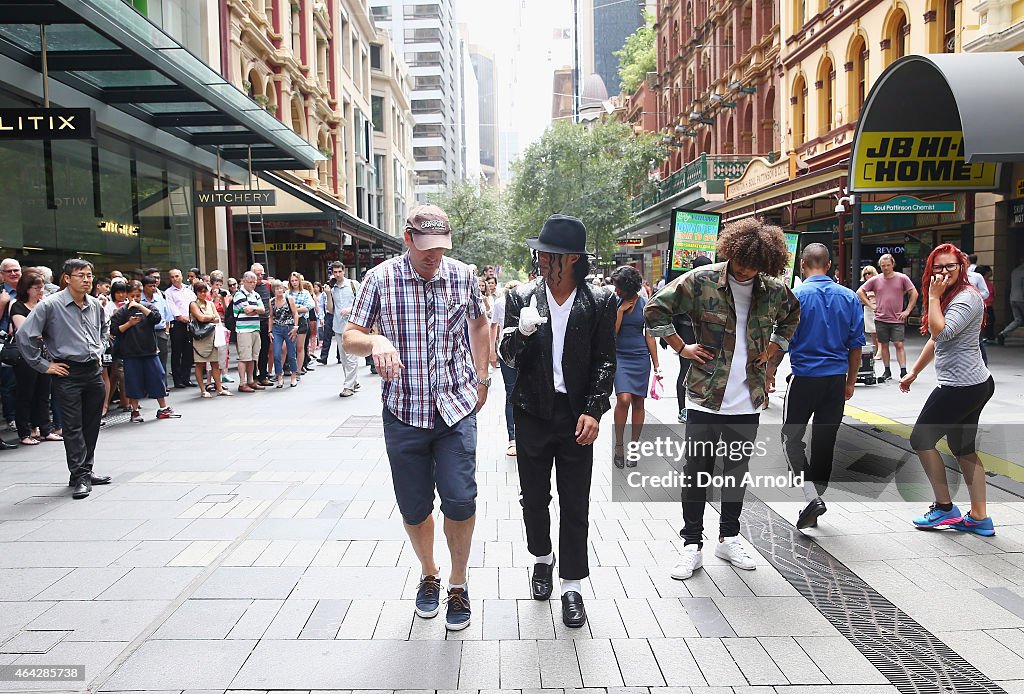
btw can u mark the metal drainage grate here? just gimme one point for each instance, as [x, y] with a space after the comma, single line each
[371, 427]
[909, 656]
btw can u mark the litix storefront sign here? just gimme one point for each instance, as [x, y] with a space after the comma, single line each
[47, 124]
[232, 198]
[904, 204]
[904, 161]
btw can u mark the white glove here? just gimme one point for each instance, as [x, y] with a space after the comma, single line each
[530, 318]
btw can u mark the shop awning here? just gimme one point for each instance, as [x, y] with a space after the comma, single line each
[940, 122]
[107, 50]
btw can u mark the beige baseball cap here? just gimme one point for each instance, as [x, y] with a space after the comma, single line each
[429, 227]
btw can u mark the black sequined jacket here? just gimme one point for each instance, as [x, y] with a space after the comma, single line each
[588, 356]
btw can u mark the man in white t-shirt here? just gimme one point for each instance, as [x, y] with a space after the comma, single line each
[743, 320]
[341, 295]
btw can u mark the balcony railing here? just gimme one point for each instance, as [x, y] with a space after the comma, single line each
[704, 168]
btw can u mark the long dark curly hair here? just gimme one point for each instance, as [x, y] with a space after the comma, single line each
[754, 244]
[580, 269]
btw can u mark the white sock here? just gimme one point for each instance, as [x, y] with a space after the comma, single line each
[452, 586]
[571, 585]
[548, 559]
[810, 492]
[434, 575]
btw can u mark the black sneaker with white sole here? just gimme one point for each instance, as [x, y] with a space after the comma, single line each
[428, 597]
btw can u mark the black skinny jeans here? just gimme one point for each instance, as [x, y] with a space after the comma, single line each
[33, 393]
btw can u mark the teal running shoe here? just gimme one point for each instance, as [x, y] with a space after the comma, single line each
[984, 527]
[937, 518]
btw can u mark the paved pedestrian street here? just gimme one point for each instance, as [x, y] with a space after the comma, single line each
[255, 545]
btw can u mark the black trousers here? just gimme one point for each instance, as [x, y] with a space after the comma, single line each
[262, 369]
[542, 443]
[821, 397]
[686, 333]
[162, 340]
[181, 353]
[33, 392]
[325, 344]
[706, 435]
[80, 397]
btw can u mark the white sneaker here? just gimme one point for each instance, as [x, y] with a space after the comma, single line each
[690, 559]
[733, 552]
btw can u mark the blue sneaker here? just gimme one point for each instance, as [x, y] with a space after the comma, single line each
[428, 597]
[937, 518]
[967, 524]
[682, 417]
[458, 609]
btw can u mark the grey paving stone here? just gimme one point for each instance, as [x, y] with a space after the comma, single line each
[263, 582]
[396, 620]
[1005, 598]
[558, 664]
[986, 653]
[501, 620]
[82, 530]
[604, 619]
[638, 619]
[535, 620]
[637, 663]
[95, 656]
[520, 665]
[33, 641]
[351, 583]
[715, 663]
[360, 619]
[840, 662]
[83, 584]
[25, 584]
[24, 554]
[100, 621]
[844, 689]
[203, 619]
[706, 617]
[325, 620]
[367, 664]
[773, 617]
[672, 618]
[676, 662]
[152, 553]
[597, 663]
[214, 529]
[256, 620]
[480, 667]
[754, 662]
[368, 529]
[293, 529]
[181, 665]
[792, 660]
[290, 620]
[163, 583]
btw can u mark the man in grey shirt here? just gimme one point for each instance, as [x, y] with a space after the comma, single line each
[74, 328]
[1016, 302]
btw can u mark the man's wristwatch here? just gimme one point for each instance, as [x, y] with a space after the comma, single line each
[485, 382]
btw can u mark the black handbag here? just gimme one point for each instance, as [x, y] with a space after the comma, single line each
[9, 352]
[200, 330]
[303, 325]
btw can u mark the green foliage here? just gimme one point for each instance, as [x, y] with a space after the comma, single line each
[479, 220]
[638, 56]
[587, 172]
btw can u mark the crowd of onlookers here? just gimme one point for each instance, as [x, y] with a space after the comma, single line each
[176, 336]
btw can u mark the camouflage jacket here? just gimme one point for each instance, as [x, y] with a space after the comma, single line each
[704, 295]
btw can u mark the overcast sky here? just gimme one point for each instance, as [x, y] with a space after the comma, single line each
[524, 97]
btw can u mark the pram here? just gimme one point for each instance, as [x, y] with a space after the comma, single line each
[866, 373]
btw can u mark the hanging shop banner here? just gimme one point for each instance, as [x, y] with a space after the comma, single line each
[230, 198]
[903, 204]
[693, 234]
[47, 123]
[792, 270]
[630, 242]
[917, 161]
[271, 247]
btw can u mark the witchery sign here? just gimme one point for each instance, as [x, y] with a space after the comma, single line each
[228, 198]
[47, 124]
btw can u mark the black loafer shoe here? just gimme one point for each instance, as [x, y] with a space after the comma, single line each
[4, 446]
[573, 614]
[82, 490]
[809, 516]
[541, 582]
[94, 480]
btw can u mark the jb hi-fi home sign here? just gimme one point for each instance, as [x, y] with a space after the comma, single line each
[47, 123]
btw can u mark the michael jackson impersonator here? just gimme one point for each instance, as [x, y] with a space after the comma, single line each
[560, 334]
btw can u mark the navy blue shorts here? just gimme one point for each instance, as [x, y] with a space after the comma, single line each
[144, 377]
[421, 459]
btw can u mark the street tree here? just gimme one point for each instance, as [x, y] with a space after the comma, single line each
[590, 172]
[480, 229]
[638, 56]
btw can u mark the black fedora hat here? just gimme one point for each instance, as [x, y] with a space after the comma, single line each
[561, 234]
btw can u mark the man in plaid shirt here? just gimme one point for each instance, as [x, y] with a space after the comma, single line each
[433, 386]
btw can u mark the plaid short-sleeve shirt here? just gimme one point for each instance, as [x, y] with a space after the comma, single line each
[426, 322]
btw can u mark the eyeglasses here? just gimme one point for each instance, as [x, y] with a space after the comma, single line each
[10, 272]
[82, 276]
[948, 267]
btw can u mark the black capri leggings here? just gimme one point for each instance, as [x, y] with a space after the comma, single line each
[953, 412]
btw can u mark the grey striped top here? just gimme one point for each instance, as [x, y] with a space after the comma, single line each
[958, 347]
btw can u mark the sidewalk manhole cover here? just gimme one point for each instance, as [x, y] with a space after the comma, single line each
[370, 427]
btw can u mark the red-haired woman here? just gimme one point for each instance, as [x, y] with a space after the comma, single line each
[953, 317]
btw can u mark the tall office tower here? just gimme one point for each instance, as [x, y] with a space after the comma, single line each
[469, 121]
[485, 69]
[426, 32]
[611, 24]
